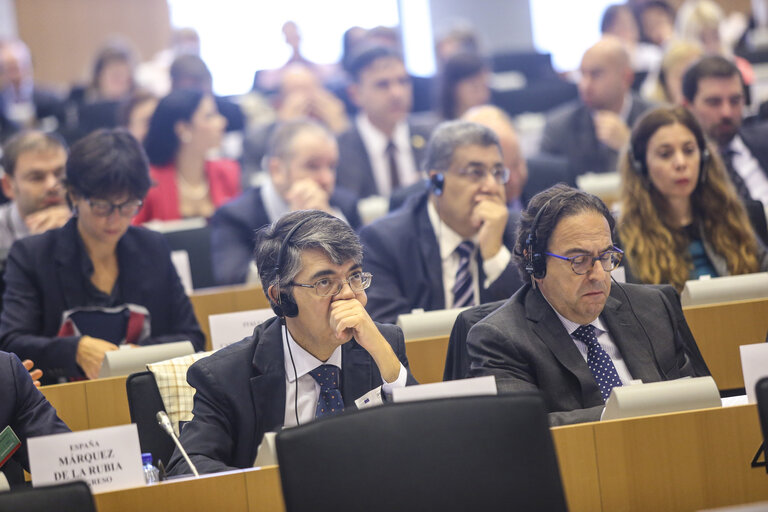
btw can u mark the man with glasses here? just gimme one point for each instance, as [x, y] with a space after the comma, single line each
[321, 355]
[449, 246]
[569, 333]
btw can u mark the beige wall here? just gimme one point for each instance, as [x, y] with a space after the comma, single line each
[64, 35]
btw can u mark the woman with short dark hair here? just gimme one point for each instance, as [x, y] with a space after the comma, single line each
[184, 129]
[76, 292]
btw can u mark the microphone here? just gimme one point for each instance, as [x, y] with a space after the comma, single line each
[165, 423]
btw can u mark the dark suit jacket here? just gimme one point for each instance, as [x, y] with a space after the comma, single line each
[570, 132]
[754, 137]
[24, 408]
[402, 253]
[355, 173]
[234, 226]
[525, 346]
[240, 395]
[44, 278]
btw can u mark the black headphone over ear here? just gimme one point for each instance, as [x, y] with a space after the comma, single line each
[436, 183]
[285, 306]
[638, 164]
[536, 262]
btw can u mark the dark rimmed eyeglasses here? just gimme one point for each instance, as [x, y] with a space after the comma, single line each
[583, 263]
[478, 174]
[330, 286]
[104, 208]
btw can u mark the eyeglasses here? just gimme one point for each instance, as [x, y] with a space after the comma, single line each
[328, 287]
[478, 174]
[104, 208]
[583, 263]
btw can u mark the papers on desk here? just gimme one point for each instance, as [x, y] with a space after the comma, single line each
[132, 360]
[477, 386]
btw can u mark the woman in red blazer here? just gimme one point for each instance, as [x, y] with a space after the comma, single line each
[184, 129]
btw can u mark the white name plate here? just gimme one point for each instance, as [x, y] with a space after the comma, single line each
[107, 459]
[227, 328]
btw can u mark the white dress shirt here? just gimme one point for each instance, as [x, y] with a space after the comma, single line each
[308, 388]
[376, 142]
[749, 169]
[448, 240]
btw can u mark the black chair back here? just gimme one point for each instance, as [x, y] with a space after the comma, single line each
[457, 358]
[459, 454]
[197, 243]
[68, 497]
[761, 392]
[144, 401]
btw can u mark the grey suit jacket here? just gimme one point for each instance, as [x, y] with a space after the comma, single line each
[570, 132]
[354, 171]
[525, 346]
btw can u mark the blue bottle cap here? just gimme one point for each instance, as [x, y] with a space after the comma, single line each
[146, 458]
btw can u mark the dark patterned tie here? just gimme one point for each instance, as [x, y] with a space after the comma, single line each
[463, 291]
[598, 360]
[736, 179]
[394, 175]
[329, 401]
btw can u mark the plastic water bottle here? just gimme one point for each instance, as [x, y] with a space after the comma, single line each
[151, 473]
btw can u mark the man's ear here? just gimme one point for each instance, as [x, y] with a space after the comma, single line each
[272, 293]
[5, 181]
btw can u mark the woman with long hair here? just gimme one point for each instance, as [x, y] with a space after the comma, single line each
[680, 215]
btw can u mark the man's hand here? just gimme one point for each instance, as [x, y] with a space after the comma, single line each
[491, 217]
[611, 129]
[306, 194]
[330, 110]
[49, 218]
[350, 319]
[90, 354]
[34, 374]
[295, 106]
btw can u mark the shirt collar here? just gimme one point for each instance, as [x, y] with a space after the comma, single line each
[626, 107]
[20, 228]
[376, 141]
[447, 239]
[572, 326]
[737, 145]
[304, 361]
[274, 204]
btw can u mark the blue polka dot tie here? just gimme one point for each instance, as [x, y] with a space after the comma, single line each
[329, 401]
[463, 291]
[598, 360]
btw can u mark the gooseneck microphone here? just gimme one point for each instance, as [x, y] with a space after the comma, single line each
[165, 423]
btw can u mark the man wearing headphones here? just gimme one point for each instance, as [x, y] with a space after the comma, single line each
[569, 333]
[449, 246]
[319, 356]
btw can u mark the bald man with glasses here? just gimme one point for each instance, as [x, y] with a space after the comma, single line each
[449, 246]
[570, 332]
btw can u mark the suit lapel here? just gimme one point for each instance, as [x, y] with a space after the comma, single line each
[367, 182]
[430, 254]
[547, 326]
[268, 384]
[133, 264]
[628, 335]
[355, 372]
[67, 256]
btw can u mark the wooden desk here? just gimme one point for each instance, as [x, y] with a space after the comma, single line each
[719, 330]
[426, 357]
[225, 299]
[90, 403]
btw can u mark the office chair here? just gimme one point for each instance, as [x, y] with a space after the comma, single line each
[457, 358]
[144, 401]
[68, 497]
[458, 454]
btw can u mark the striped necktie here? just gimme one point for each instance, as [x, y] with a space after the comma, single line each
[463, 290]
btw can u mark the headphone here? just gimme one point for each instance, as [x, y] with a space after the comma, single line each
[536, 262]
[286, 306]
[638, 164]
[436, 183]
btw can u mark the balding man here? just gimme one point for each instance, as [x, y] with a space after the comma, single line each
[497, 120]
[591, 131]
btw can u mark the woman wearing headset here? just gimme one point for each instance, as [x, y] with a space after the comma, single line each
[680, 215]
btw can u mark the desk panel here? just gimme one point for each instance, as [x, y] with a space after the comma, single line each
[265, 493]
[426, 357]
[225, 299]
[683, 461]
[70, 403]
[107, 402]
[577, 458]
[719, 330]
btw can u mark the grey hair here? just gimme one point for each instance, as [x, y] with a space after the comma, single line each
[449, 136]
[281, 141]
[320, 231]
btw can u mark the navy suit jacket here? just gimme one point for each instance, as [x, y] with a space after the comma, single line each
[355, 173]
[44, 278]
[234, 226]
[23, 407]
[525, 346]
[402, 253]
[570, 132]
[754, 137]
[240, 395]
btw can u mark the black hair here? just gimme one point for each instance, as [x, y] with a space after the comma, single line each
[367, 55]
[708, 67]
[457, 68]
[161, 142]
[558, 201]
[106, 164]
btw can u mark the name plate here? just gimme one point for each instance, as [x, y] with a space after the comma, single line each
[107, 459]
[227, 328]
